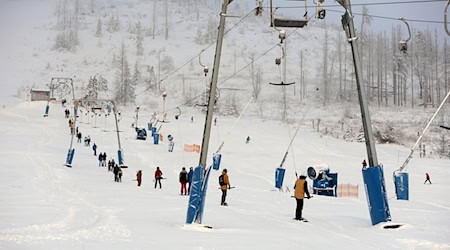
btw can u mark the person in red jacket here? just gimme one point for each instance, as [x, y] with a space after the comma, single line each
[183, 181]
[427, 178]
[139, 178]
[158, 177]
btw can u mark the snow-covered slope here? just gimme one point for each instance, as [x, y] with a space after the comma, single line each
[45, 205]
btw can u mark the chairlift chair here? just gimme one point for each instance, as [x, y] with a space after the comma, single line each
[287, 22]
[278, 62]
[403, 44]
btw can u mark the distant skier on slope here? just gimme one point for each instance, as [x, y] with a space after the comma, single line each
[158, 177]
[247, 140]
[427, 178]
[224, 183]
[94, 147]
[183, 181]
[139, 178]
[116, 173]
[364, 163]
[301, 188]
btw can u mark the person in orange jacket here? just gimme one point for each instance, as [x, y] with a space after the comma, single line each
[301, 188]
[224, 183]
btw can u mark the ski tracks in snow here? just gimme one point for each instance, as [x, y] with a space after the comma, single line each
[82, 220]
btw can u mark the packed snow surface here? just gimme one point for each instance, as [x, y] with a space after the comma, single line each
[45, 205]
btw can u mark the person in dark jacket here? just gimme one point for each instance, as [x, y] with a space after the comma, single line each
[139, 178]
[119, 174]
[116, 173]
[100, 159]
[183, 181]
[224, 183]
[158, 177]
[301, 188]
[364, 163]
[190, 176]
[94, 147]
[104, 159]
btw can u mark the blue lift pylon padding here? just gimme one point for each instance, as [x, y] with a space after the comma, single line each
[153, 130]
[120, 156]
[149, 125]
[376, 194]
[155, 138]
[203, 196]
[217, 158]
[401, 181]
[279, 177]
[47, 108]
[69, 158]
[195, 195]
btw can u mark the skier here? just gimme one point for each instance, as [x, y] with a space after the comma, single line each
[192, 119]
[427, 178]
[116, 173]
[183, 181]
[100, 159]
[158, 177]
[190, 175]
[78, 136]
[139, 178]
[104, 159]
[364, 163]
[88, 140]
[301, 188]
[215, 121]
[171, 143]
[224, 183]
[247, 140]
[94, 147]
[120, 175]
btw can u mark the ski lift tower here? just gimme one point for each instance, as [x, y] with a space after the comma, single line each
[373, 175]
[71, 151]
[55, 83]
[201, 172]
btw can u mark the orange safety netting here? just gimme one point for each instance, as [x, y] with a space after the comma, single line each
[347, 190]
[192, 148]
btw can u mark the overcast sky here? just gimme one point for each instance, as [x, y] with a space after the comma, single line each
[429, 10]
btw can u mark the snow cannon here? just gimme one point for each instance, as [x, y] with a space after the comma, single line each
[279, 177]
[141, 134]
[324, 182]
[401, 185]
[217, 158]
[316, 171]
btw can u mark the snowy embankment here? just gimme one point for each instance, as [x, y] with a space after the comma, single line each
[44, 205]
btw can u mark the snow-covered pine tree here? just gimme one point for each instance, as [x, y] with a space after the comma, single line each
[139, 39]
[98, 31]
[137, 76]
[124, 89]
